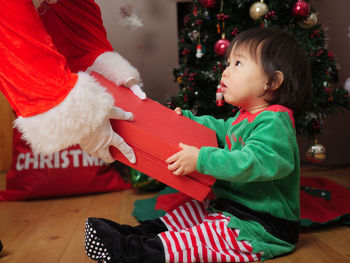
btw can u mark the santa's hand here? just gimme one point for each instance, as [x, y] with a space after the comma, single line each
[136, 89]
[134, 86]
[114, 67]
[97, 144]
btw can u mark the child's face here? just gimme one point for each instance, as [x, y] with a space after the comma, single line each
[243, 81]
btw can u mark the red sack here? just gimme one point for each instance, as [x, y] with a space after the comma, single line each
[67, 172]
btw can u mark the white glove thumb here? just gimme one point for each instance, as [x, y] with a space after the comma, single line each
[136, 89]
[121, 145]
[98, 142]
[120, 114]
[125, 149]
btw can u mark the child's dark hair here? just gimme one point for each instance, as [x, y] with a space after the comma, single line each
[278, 50]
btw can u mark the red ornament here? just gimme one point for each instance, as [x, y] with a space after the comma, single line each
[220, 46]
[301, 9]
[208, 3]
[330, 54]
[219, 97]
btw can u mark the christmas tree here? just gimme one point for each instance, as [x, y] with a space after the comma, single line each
[207, 31]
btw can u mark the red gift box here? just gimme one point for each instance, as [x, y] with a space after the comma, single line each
[154, 135]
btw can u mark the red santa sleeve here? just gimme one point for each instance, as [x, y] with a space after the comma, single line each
[77, 31]
[55, 107]
[34, 75]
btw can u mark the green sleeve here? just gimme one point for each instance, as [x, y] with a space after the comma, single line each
[218, 125]
[268, 154]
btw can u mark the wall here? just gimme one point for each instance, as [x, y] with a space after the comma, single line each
[335, 19]
[152, 48]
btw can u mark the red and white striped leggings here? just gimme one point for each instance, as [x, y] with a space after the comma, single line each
[194, 235]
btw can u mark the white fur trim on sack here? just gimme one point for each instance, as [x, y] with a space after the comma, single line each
[80, 113]
[114, 67]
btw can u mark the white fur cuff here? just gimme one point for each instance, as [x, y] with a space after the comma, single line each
[114, 67]
[81, 112]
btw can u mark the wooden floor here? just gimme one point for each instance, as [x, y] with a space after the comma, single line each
[51, 231]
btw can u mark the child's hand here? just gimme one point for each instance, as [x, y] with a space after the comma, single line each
[178, 111]
[185, 161]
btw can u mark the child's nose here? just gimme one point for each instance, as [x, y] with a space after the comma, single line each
[224, 73]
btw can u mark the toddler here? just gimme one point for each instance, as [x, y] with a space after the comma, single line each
[255, 212]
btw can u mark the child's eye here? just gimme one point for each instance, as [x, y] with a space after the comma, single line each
[238, 63]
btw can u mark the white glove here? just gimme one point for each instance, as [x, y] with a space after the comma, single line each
[136, 89]
[97, 144]
[116, 68]
[134, 86]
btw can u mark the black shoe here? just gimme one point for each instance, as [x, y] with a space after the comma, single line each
[1, 246]
[105, 243]
[94, 248]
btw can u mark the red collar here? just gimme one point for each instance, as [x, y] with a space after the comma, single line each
[251, 116]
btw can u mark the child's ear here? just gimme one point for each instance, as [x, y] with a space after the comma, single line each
[275, 81]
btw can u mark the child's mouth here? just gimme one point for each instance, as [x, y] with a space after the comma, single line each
[223, 87]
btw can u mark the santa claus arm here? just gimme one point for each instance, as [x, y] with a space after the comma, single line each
[55, 107]
[65, 124]
[82, 117]
[79, 34]
[117, 69]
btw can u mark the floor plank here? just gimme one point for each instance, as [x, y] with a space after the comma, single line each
[311, 249]
[337, 236]
[103, 205]
[48, 227]
[52, 230]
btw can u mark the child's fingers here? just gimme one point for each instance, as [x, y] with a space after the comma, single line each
[178, 172]
[183, 146]
[178, 111]
[174, 166]
[172, 158]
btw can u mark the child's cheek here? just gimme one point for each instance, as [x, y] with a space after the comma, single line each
[227, 97]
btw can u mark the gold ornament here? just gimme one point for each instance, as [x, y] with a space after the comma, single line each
[308, 22]
[316, 153]
[258, 9]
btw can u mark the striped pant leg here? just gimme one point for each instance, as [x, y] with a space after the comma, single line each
[187, 215]
[209, 241]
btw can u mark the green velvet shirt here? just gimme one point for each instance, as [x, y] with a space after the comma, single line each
[257, 165]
